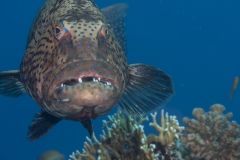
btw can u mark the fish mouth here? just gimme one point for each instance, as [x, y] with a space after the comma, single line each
[83, 86]
[90, 79]
[87, 78]
[84, 72]
[84, 79]
[74, 81]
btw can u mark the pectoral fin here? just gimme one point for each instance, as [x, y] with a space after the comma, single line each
[10, 84]
[41, 124]
[148, 89]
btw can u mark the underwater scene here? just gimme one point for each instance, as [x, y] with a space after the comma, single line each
[120, 80]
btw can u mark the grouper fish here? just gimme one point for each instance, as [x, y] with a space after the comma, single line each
[75, 67]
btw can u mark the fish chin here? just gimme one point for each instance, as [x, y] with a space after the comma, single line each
[83, 91]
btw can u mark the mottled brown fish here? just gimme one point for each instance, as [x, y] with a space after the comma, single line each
[75, 67]
[51, 155]
[234, 87]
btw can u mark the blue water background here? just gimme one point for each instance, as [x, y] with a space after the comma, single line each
[196, 42]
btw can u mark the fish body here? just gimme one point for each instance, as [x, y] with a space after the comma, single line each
[234, 87]
[51, 155]
[75, 67]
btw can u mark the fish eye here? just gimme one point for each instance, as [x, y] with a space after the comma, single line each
[58, 30]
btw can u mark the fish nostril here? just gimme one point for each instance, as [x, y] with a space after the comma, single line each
[70, 82]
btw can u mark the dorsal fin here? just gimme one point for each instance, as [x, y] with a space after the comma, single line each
[115, 16]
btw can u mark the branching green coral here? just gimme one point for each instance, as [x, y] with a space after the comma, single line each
[211, 136]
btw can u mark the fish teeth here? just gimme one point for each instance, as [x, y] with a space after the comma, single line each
[95, 80]
[99, 79]
[80, 80]
[109, 83]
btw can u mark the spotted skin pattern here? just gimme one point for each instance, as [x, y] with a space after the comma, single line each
[75, 67]
[83, 51]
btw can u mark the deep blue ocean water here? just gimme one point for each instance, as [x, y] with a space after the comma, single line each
[196, 42]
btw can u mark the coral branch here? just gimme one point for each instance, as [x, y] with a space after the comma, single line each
[167, 130]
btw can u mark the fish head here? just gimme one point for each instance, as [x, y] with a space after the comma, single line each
[87, 82]
[83, 78]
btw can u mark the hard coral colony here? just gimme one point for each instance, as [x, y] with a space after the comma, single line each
[211, 136]
[125, 139]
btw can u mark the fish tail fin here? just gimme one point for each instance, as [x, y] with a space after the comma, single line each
[10, 84]
[41, 124]
[148, 89]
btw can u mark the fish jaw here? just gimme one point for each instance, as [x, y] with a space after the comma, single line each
[83, 89]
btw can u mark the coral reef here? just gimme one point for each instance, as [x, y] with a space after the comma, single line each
[167, 130]
[124, 139]
[212, 136]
